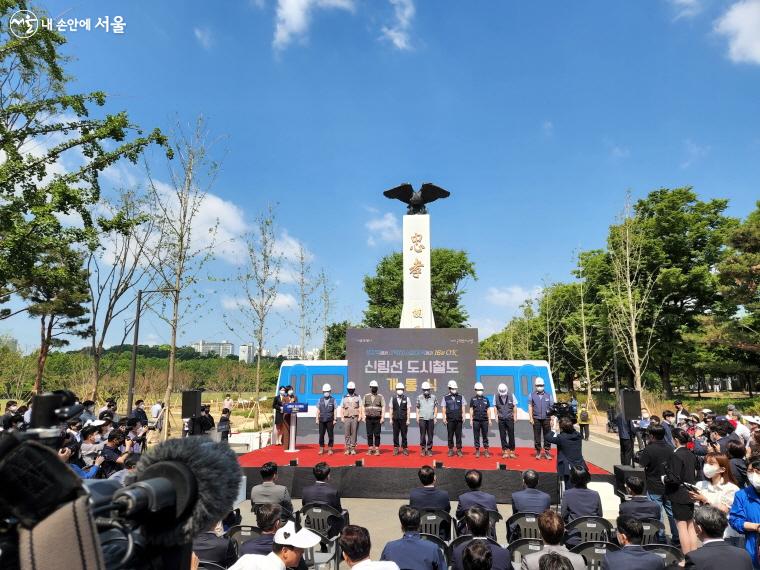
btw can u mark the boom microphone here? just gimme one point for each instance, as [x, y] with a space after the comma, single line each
[180, 488]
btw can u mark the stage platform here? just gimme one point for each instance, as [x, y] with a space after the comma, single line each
[391, 477]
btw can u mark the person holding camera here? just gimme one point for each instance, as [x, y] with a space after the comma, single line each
[569, 447]
[539, 408]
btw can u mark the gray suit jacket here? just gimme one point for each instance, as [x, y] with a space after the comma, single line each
[530, 562]
[270, 494]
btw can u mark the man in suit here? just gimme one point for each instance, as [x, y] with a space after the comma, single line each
[477, 523]
[321, 492]
[710, 523]
[529, 500]
[552, 531]
[268, 492]
[427, 497]
[653, 459]
[210, 547]
[474, 497]
[632, 555]
[268, 519]
[625, 435]
[638, 507]
[412, 552]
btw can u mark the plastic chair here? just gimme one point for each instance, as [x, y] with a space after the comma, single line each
[594, 552]
[437, 523]
[523, 547]
[322, 519]
[652, 528]
[205, 564]
[440, 543]
[670, 554]
[240, 534]
[591, 529]
[328, 553]
[494, 517]
[522, 525]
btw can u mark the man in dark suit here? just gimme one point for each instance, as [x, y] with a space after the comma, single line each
[321, 492]
[427, 497]
[530, 499]
[653, 459]
[625, 434]
[710, 523]
[477, 523]
[209, 547]
[475, 497]
[638, 506]
[411, 551]
[632, 555]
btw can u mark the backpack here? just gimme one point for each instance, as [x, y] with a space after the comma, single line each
[584, 417]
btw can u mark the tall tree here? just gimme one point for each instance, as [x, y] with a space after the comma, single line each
[306, 287]
[335, 343]
[326, 302]
[449, 270]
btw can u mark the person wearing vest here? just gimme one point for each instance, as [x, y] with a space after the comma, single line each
[480, 419]
[374, 408]
[539, 405]
[427, 409]
[326, 419]
[351, 413]
[583, 422]
[504, 406]
[453, 416]
[400, 408]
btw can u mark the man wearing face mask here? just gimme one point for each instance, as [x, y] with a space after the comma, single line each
[326, 419]
[427, 408]
[453, 404]
[504, 404]
[400, 410]
[374, 408]
[539, 404]
[10, 410]
[351, 414]
[480, 419]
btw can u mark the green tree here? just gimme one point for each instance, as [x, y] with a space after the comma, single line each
[335, 341]
[449, 270]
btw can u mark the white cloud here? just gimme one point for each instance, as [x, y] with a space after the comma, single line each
[510, 296]
[741, 26]
[694, 152]
[398, 33]
[204, 37]
[288, 247]
[686, 8]
[617, 151]
[548, 128]
[282, 302]
[383, 228]
[294, 18]
[486, 326]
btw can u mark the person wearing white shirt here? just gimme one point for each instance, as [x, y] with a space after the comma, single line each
[155, 410]
[355, 546]
[287, 549]
[742, 431]
[718, 490]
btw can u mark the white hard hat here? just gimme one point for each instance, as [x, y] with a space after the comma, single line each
[351, 386]
[326, 388]
[426, 385]
[399, 386]
[373, 384]
[453, 384]
[478, 385]
[502, 388]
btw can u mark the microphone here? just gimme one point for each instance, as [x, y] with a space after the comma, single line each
[181, 487]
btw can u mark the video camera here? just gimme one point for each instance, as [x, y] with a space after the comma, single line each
[179, 488]
[562, 410]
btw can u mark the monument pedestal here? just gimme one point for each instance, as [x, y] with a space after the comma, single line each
[417, 311]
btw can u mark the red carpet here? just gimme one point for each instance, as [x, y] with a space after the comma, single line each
[307, 457]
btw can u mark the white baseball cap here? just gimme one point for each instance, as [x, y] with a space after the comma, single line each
[288, 536]
[351, 386]
[94, 423]
[752, 420]
[373, 384]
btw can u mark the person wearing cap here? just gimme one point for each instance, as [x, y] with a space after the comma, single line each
[453, 416]
[682, 414]
[287, 549]
[480, 419]
[400, 409]
[539, 405]
[427, 409]
[374, 416]
[504, 406]
[351, 414]
[326, 419]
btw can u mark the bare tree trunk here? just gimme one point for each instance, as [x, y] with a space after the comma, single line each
[95, 371]
[172, 365]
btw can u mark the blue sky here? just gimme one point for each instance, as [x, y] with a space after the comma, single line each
[537, 116]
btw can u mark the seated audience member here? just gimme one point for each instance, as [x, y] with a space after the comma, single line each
[552, 531]
[478, 524]
[711, 524]
[632, 555]
[269, 492]
[427, 497]
[528, 500]
[554, 561]
[268, 521]
[321, 491]
[638, 507]
[474, 497]
[355, 546]
[412, 552]
[130, 463]
[209, 546]
[287, 550]
[744, 516]
[580, 501]
[737, 453]
[477, 556]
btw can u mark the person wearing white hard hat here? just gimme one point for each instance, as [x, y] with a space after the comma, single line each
[539, 404]
[374, 416]
[326, 419]
[287, 549]
[351, 414]
[427, 409]
[400, 409]
[504, 409]
[480, 419]
[453, 416]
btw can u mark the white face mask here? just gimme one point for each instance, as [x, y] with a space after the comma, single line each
[710, 470]
[754, 479]
[539, 388]
[399, 392]
[479, 392]
[327, 394]
[290, 393]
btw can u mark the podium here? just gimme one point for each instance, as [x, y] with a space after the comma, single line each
[294, 408]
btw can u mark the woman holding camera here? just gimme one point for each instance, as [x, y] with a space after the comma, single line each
[569, 448]
[680, 474]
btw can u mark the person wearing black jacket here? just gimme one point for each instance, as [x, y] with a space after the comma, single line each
[139, 412]
[569, 449]
[653, 459]
[680, 470]
[715, 552]
[736, 452]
